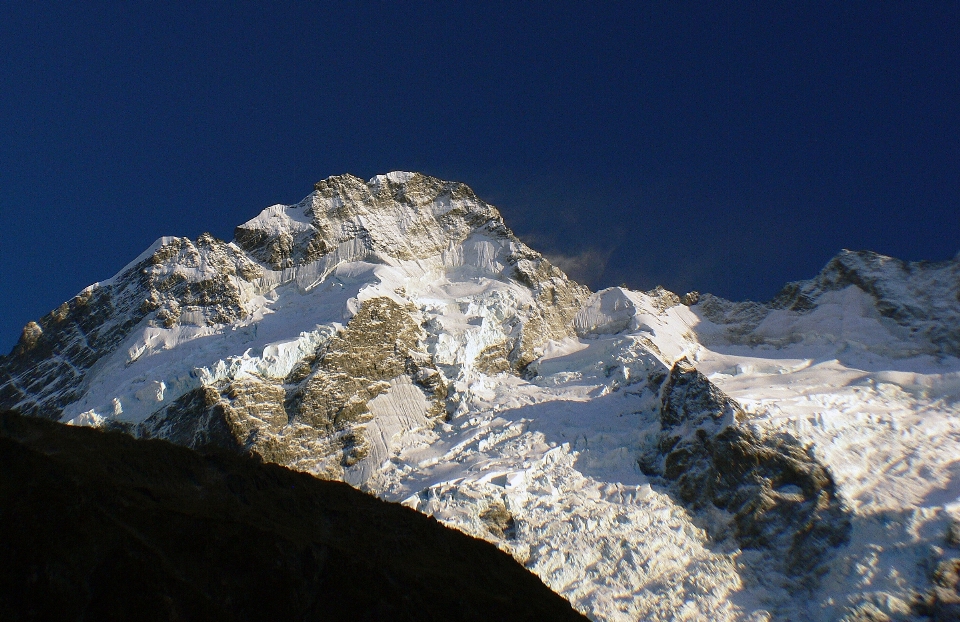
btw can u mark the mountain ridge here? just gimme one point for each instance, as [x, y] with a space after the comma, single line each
[394, 334]
[127, 528]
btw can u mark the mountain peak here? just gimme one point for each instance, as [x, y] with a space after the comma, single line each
[397, 216]
[400, 236]
[395, 177]
[393, 333]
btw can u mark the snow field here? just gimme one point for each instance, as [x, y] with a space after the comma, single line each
[545, 466]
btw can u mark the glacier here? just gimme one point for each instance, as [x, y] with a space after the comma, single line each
[393, 333]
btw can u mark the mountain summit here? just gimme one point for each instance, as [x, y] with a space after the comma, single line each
[647, 455]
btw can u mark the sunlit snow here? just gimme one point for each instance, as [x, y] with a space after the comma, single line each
[558, 448]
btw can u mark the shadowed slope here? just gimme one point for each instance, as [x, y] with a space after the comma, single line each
[98, 525]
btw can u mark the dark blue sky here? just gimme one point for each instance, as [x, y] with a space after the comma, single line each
[726, 149]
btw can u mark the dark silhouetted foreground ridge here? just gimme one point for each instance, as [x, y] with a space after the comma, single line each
[97, 525]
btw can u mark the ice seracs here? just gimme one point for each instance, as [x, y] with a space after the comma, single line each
[649, 455]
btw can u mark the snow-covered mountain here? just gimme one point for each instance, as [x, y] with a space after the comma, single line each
[649, 456]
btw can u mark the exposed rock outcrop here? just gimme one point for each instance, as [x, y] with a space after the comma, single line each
[773, 494]
[314, 421]
[942, 603]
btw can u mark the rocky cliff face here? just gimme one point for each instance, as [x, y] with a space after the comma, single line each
[770, 492]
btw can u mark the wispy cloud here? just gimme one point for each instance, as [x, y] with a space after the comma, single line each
[586, 267]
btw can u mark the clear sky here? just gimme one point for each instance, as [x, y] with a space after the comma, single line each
[727, 148]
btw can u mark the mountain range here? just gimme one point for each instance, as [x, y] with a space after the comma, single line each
[648, 455]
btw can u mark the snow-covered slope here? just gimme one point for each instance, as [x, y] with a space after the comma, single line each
[649, 456]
